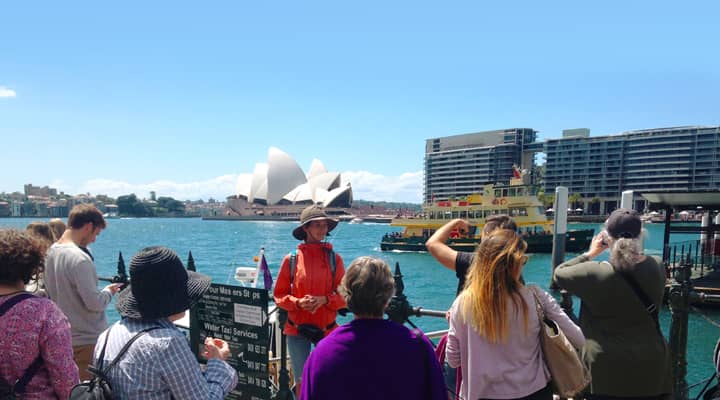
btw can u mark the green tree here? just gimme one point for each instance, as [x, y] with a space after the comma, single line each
[171, 205]
[547, 199]
[126, 204]
[574, 199]
[129, 205]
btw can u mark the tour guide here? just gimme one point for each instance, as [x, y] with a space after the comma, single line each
[309, 294]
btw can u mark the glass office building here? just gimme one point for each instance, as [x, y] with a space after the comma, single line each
[600, 168]
[457, 166]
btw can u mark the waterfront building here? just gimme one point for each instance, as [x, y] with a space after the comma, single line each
[460, 165]
[38, 191]
[600, 168]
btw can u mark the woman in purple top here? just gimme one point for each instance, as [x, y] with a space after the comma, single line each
[494, 329]
[34, 327]
[371, 357]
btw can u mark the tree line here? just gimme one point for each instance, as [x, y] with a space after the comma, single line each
[130, 206]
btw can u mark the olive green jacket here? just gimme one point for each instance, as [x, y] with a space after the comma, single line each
[633, 359]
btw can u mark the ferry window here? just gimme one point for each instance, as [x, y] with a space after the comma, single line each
[504, 193]
[520, 192]
[511, 192]
[463, 214]
[432, 214]
[455, 214]
[447, 215]
[497, 193]
[504, 212]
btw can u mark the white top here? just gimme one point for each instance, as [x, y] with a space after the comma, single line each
[72, 283]
[509, 369]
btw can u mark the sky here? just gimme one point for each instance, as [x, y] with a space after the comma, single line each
[184, 97]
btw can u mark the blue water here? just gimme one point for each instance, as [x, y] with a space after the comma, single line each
[219, 246]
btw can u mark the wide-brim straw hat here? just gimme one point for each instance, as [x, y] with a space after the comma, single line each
[313, 213]
[160, 286]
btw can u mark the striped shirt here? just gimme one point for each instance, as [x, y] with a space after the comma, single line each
[161, 365]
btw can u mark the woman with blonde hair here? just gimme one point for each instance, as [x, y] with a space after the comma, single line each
[494, 329]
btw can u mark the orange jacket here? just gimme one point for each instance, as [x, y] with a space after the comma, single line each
[313, 276]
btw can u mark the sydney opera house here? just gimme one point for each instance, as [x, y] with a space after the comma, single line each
[279, 189]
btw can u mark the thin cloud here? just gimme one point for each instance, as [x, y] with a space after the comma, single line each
[217, 188]
[366, 185]
[406, 187]
[7, 92]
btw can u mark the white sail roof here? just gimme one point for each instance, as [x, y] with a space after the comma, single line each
[283, 175]
[243, 185]
[326, 180]
[282, 179]
[316, 168]
[259, 179]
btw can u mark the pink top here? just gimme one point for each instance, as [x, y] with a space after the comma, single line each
[37, 326]
[511, 369]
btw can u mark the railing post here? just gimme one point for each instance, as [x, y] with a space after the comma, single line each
[192, 313]
[399, 308]
[679, 308]
[559, 231]
[284, 392]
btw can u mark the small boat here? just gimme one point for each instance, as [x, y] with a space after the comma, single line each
[356, 220]
[517, 200]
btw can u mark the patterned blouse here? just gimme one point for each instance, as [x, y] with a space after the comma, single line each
[35, 327]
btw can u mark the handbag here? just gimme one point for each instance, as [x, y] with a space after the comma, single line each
[311, 332]
[99, 388]
[568, 372]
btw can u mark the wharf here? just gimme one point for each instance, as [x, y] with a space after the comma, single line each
[250, 218]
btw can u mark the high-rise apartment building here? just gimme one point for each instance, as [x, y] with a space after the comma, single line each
[600, 168]
[456, 166]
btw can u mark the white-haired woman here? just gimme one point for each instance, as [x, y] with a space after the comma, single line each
[371, 357]
[632, 358]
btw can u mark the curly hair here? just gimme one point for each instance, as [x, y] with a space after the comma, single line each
[367, 286]
[22, 256]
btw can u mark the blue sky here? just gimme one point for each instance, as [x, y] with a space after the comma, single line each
[182, 97]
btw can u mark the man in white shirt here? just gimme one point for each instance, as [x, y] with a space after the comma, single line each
[71, 282]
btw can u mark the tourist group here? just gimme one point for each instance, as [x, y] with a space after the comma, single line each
[55, 334]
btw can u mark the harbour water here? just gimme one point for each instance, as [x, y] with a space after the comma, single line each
[220, 246]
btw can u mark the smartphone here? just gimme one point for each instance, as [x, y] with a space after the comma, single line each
[604, 238]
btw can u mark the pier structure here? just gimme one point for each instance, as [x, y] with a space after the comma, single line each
[693, 269]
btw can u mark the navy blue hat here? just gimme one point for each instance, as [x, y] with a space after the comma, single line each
[624, 223]
[160, 286]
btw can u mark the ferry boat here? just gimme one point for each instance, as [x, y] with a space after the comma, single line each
[517, 200]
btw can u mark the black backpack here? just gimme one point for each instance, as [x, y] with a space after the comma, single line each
[98, 388]
[8, 391]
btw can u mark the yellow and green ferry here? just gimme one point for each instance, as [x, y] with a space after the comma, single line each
[516, 200]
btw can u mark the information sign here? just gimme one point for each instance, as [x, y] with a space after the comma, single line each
[237, 315]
